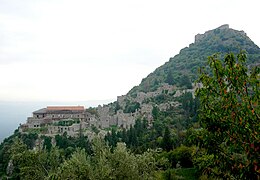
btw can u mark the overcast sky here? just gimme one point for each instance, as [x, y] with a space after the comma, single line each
[64, 50]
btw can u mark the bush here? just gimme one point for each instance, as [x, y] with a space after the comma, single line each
[181, 155]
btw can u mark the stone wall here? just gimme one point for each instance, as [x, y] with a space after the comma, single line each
[125, 120]
[34, 122]
[65, 116]
[103, 118]
[121, 100]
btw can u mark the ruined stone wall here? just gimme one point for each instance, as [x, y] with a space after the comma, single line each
[113, 121]
[121, 100]
[65, 116]
[34, 122]
[104, 117]
[72, 130]
[125, 120]
[141, 96]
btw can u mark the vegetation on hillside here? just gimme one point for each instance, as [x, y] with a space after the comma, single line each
[224, 143]
[184, 66]
[74, 161]
[215, 135]
[230, 117]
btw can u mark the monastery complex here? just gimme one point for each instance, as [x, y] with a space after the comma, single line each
[76, 120]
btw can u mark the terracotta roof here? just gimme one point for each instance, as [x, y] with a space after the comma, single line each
[65, 108]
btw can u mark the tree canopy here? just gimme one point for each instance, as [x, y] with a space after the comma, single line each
[230, 116]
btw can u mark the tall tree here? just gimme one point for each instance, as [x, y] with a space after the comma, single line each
[230, 116]
[167, 141]
[169, 78]
[77, 167]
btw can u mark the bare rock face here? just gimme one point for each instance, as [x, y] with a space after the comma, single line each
[225, 26]
[10, 168]
[198, 37]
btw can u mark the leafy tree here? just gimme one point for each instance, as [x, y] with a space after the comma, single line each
[230, 115]
[167, 141]
[124, 136]
[131, 107]
[155, 112]
[15, 151]
[77, 167]
[169, 78]
[112, 138]
[84, 143]
[147, 164]
[123, 163]
[100, 160]
[185, 81]
[181, 155]
[32, 164]
[62, 141]
[132, 137]
[47, 142]
[29, 139]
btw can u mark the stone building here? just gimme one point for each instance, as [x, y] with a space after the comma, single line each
[74, 120]
[53, 114]
[125, 120]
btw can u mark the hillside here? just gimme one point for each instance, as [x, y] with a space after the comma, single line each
[155, 128]
[183, 67]
[168, 90]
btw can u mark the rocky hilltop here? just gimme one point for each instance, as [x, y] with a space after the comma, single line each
[183, 67]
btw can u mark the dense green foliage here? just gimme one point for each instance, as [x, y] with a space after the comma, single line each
[131, 107]
[230, 117]
[77, 158]
[103, 163]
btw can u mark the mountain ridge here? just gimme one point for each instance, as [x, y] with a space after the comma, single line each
[186, 63]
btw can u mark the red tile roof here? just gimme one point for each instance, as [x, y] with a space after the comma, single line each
[68, 108]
